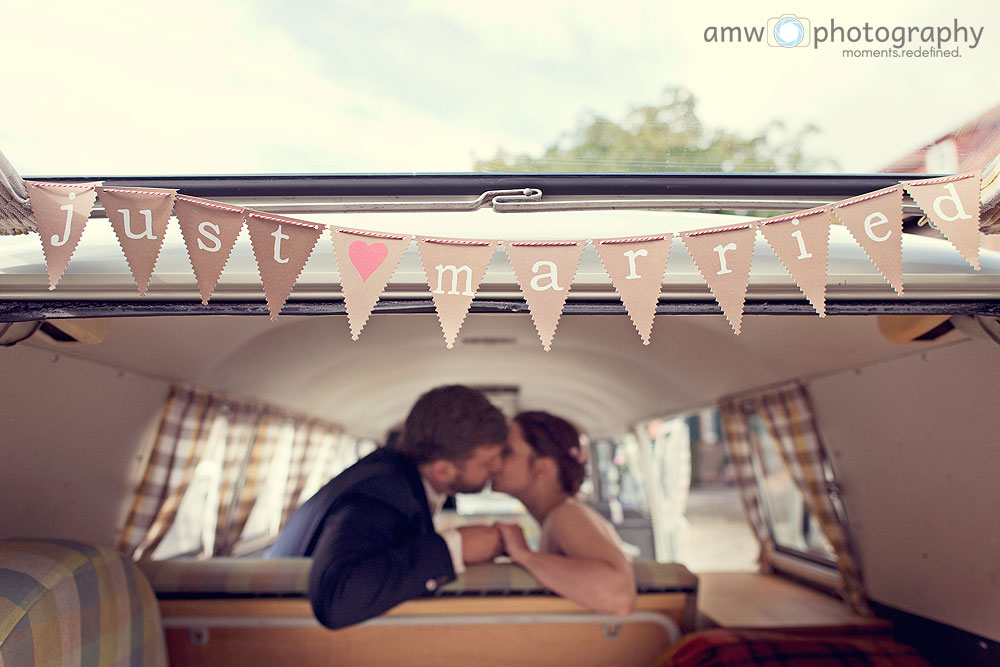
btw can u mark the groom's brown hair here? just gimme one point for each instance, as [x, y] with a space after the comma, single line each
[449, 423]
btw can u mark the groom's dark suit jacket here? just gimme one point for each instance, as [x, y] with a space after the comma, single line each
[371, 538]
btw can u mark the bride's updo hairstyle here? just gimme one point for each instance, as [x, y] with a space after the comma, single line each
[557, 439]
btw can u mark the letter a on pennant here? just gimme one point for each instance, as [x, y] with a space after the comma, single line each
[802, 243]
[723, 257]
[61, 211]
[636, 270]
[545, 273]
[875, 221]
[454, 269]
[366, 262]
[281, 246]
[210, 231]
[952, 204]
[139, 217]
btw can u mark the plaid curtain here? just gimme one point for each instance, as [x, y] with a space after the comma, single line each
[787, 414]
[742, 450]
[185, 424]
[190, 421]
[248, 456]
[312, 446]
[297, 471]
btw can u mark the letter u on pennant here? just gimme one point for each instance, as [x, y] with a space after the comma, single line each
[139, 217]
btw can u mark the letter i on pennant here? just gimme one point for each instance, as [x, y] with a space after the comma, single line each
[802, 243]
[61, 211]
[723, 257]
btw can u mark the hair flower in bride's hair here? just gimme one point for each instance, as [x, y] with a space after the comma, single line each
[578, 454]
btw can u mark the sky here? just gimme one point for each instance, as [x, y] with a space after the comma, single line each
[348, 86]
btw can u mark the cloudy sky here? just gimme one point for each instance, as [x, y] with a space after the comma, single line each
[429, 85]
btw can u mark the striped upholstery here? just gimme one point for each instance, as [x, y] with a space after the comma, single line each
[288, 577]
[67, 603]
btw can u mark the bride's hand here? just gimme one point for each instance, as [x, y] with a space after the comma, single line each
[513, 540]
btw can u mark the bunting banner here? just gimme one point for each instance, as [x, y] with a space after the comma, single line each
[210, 231]
[723, 257]
[281, 246]
[636, 267]
[139, 217]
[367, 261]
[952, 204]
[876, 223]
[545, 270]
[802, 244]
[454, 269]
[61, 211]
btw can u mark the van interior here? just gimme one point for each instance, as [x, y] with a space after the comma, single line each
[731, 532]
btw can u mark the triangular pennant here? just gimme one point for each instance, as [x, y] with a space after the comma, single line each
[952, 204]
[636, 269]
[723, 257]
[61, 211]
[454, 269]
[366, 261]
[139, 217]
[545, 271]
[281, 246]
[875, 220]
[802, 244]
[210, 230]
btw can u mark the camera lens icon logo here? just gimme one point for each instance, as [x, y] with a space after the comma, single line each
[788, 31]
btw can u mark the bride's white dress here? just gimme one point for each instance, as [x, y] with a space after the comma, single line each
[549, 543]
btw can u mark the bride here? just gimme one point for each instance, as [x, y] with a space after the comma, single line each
[580, 556]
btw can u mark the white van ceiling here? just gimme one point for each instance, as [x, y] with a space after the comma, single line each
[598, 373]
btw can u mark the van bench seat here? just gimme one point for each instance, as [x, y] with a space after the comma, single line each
[289, 577]
[250, 612]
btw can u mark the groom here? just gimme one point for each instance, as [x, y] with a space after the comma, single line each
[369, 530]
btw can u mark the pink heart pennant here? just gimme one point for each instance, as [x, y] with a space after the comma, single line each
[366, 257]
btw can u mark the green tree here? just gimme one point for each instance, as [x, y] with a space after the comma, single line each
[667, 137]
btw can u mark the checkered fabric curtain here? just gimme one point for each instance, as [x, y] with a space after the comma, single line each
[787, 414]
[313, 441]
[297, 471]
[185, 423]
[741, 448]
[254, 434]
